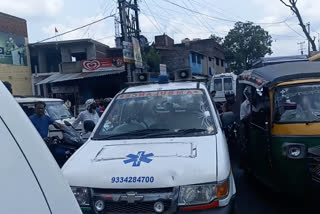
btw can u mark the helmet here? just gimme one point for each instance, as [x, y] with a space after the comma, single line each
[229, 94]
[106, 101]
[88, 125]
[89, 102]
[230, 97]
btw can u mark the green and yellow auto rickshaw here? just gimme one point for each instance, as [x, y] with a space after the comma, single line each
[280, 125]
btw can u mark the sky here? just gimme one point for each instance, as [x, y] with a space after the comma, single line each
[159, 16]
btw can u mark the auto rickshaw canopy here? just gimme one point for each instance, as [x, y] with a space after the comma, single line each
[272, 75]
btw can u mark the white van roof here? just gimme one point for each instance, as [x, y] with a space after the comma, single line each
[224, 75]
[36, 99]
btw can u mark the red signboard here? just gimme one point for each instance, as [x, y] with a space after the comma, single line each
[107, 64]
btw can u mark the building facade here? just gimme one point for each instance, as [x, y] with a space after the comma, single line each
[77, 70]
[15, 66]
[202, 57]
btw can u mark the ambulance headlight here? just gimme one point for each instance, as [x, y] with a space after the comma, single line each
[197, 194]
[82, 195]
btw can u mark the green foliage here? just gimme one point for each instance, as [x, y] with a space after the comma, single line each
[151, 59]
[218, 39]
[246, 43]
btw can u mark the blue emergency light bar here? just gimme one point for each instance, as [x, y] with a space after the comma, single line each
[163, 79]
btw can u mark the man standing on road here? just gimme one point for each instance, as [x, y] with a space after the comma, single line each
[8, 86]
[67, 103]
[42, 121]
[213, 94]
[89, 114]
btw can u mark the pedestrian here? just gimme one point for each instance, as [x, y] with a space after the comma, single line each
[99, 104]
[41, 121]
[213, 94]
[229, 104]
[88, 114]
[104, 106]
[8, 86]
[68, 103]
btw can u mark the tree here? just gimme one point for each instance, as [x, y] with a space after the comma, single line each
[246, 43]
[218, 39]
[151, 59]
[293, 6]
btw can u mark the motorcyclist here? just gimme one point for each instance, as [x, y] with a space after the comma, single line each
[88, 129]
[89, 114]
[42, 121]
[230, 100]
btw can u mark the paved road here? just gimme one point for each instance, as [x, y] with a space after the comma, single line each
[254, 198]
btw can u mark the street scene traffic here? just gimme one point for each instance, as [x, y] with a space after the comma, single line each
[160, 122]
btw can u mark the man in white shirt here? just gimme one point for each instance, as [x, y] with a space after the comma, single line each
[89, 114]
[245, 108]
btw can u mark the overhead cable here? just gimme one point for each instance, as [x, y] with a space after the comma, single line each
[78, 28]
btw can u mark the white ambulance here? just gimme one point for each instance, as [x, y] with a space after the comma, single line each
[31, 181]
[159, 148]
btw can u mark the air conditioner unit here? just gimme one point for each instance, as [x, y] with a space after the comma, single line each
[184, 74]
[141, 77]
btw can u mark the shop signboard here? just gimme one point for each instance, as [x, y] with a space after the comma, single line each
[128, 55]
[106, 64]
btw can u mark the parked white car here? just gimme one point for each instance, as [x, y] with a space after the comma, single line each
[31, 181]
[159, 148]
[55, 108]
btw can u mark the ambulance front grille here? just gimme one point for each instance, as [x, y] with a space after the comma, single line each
[140, 207]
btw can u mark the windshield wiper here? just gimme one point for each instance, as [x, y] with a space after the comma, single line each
[179, 132]
[188, 131]
[141, 132]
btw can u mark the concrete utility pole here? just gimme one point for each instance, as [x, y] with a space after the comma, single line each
[301, 47]
[319, 41]
[129, 21]
[308, 25]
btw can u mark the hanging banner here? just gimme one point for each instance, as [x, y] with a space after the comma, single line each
[163, 69]
[137, 53]
[12, 49]
[107, 64]
[128, 52]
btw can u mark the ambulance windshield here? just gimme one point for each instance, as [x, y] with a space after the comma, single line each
[158, 114]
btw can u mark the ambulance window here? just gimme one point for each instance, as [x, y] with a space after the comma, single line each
[218, 84]
[227, 84]
[16, 174]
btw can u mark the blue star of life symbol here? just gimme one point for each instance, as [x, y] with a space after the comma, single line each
[138, 158]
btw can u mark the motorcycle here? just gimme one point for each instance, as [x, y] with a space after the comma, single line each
[62, 149]
[230, 128]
